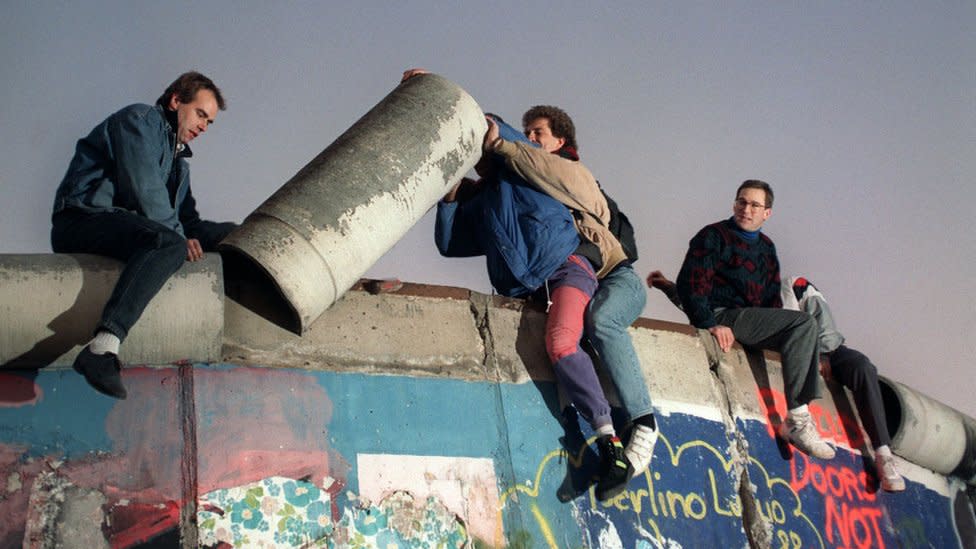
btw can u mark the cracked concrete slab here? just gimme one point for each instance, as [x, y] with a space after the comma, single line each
[411, 335]
[64, 515]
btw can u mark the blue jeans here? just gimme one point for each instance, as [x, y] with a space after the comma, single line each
[617, 303]
[151, 252]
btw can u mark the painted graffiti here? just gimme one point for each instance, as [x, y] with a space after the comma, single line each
[852, 512]
[842, 429]
[315, 457]
[667, 503]
[280, 512]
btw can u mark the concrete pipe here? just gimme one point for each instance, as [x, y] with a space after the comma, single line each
[929, 433]
[51, 303]
[318, 234]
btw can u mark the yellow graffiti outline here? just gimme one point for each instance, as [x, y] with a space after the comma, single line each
[727, 466]
[770, 481]
[533, 490]
[544, 525]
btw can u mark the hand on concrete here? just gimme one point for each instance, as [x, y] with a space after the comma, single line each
[193, 250]
[410, 73]
[723, 335]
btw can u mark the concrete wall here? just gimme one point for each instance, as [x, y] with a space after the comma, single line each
[51, 303]
[430, 415]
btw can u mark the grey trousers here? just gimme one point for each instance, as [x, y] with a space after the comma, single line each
[791, 333]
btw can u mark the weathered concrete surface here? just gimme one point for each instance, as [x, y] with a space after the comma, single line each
[675, 367]
[416, 334]
[63, 515]
[51, 303]
[329, 224]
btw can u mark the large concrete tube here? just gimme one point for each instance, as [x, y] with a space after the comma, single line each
[929, 433]
[51, 303]
[317, 235]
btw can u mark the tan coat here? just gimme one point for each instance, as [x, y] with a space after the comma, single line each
[572, 184]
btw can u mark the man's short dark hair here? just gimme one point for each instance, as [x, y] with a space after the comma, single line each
[559, 122]
[186, 87]
[757, 184]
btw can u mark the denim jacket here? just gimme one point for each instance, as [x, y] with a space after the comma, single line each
[129, 162]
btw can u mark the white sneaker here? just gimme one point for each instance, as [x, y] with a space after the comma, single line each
[802, 433]
[640, 448]
[891, 480]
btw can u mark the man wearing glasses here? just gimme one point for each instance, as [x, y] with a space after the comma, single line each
[729, 284]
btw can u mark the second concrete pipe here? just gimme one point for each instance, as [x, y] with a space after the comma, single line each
[318, 234]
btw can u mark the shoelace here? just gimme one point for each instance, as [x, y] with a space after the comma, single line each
[642, 439]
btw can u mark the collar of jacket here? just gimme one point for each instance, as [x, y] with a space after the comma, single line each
[182, 149]
[568, 153]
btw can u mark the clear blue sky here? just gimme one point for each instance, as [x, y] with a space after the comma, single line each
[861, 115]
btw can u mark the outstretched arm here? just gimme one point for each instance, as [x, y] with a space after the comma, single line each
[657, 280]
[202, 235]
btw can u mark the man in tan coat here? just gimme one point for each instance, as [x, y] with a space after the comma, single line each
[554, 168]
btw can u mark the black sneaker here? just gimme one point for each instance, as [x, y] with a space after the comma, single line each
[614, 469]
[103, 372]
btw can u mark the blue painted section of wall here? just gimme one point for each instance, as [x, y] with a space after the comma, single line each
[68, 420]
[809, 502]
[689, 496]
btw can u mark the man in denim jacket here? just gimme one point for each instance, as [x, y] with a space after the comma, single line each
[127, 195]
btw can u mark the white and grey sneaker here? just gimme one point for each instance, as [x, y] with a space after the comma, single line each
[640, 448]
[891, 480]
[799, 430]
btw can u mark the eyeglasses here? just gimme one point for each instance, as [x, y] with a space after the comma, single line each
[742, 203]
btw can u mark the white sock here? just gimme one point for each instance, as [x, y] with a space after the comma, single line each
[800, 410]
[105, 342]
[604, 430]
[883, 450]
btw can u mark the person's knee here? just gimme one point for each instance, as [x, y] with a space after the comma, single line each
[169, 248]
[562, 342]
[808, 327]
[600, 322]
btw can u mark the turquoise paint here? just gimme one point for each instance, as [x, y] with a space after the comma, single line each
[349, 414]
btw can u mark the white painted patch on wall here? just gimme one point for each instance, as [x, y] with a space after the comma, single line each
[466, 486]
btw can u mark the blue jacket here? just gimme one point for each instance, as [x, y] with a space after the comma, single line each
[130, 162]
[525, 235]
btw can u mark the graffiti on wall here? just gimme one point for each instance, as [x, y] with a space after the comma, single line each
[690, 497]
[292, 458]
[282, 512]
[853, 511]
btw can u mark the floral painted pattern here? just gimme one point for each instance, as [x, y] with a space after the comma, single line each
[283, 512]
[274, 512]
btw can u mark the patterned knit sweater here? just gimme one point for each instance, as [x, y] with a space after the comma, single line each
[723, 270]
